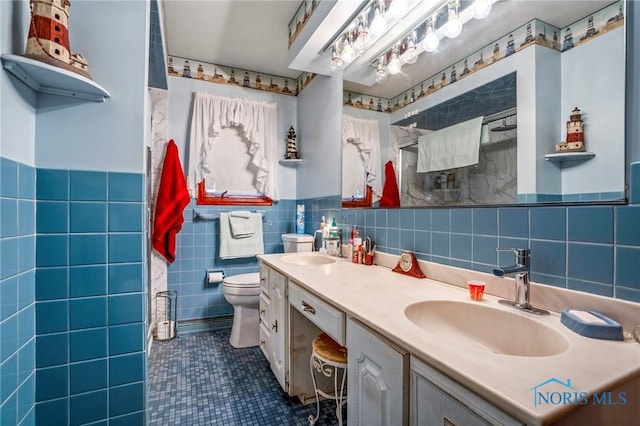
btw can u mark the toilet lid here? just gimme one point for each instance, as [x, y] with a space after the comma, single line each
[243, 280]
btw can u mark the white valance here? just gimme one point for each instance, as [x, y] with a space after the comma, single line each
[258, 121]
[365, 135]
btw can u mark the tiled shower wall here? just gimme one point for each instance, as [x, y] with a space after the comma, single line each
[197, 251]
[89, 286]
[17, 293]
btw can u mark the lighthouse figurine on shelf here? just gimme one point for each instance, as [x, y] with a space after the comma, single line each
[292, 150]
[48, 40]
[575, 134]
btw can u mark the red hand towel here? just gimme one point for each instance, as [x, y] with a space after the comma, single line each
[172, 199]
[390, 194]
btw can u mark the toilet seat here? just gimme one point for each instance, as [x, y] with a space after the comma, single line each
[242, 284]
[243, 280]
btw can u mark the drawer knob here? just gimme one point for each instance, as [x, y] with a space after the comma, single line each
[262, 279]
[262, 342]
[274, 326]
[308, 308]
[262, 311]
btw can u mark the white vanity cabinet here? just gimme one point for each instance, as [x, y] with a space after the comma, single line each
[438, 400]
[273, 322]
[377, 379]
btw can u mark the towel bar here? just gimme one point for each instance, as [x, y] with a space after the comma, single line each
[199, 216]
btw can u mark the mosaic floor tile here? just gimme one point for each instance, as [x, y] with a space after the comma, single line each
[200, 379]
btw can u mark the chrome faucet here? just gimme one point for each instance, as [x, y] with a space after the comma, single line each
[520, 272]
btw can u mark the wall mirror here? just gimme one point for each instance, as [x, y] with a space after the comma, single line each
[523, 69]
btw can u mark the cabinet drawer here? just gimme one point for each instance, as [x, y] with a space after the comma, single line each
[329, 319]
[265, 310]
[265, 341]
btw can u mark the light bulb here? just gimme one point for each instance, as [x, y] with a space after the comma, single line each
[397, 9]
[336, 64]
[431, 40]
[381, 73]
[348, 54]
[453, 27]
[482, 8]
[378, 24]
[394, 65]
[411, 55]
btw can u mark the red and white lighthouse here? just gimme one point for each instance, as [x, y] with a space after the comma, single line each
[49, 36]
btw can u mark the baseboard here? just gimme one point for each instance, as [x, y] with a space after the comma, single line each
[199, 325]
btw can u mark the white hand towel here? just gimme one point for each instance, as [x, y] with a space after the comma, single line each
[449, 148]
[242, 224]
[231, 248]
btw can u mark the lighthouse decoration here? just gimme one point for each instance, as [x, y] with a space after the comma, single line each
[49, 36]
[292, 150]
[575, 134]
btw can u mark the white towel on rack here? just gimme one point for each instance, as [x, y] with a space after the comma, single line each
[231, 248]
[451, 147]
[242, 224]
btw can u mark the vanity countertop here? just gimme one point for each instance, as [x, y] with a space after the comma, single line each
[378, 297]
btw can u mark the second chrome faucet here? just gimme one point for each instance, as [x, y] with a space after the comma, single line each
[520, 272]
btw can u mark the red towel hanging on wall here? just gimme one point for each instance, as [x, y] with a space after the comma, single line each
[390, 194]
[171, 201]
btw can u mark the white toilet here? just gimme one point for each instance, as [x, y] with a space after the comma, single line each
[243, 293]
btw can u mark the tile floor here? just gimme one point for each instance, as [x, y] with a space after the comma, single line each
[200, 379]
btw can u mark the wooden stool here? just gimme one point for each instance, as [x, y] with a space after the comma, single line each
[327, 356]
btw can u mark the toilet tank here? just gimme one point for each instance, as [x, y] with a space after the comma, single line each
[296, 243]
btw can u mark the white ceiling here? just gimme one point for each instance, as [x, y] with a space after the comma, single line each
[252, 34]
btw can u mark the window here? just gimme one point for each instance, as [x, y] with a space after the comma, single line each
[232, 176]
[233, 147]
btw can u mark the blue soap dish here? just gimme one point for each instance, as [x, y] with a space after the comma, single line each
[591, 324]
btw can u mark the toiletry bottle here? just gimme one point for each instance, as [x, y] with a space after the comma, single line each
[334, 229]
[357, 242]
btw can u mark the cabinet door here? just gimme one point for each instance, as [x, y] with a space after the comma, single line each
[438, 400]
[278, 327]
[377, 386]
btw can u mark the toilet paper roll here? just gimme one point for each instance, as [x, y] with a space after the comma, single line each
[215, 277]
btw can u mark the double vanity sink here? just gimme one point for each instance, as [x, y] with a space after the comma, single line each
[494, 351]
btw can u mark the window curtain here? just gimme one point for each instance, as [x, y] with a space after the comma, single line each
[365, 135]
[258, 121]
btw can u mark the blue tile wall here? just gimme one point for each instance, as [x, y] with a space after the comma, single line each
[197, 247]
[90, 298]
[595, 249]
[17, 292]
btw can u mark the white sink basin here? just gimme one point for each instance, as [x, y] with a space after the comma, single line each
[488, 328]
[307, 259]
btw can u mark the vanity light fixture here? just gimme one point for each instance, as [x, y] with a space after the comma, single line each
[453, 27]
[482, 8]
[406, 49]
[379, 23]
[431, 39]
